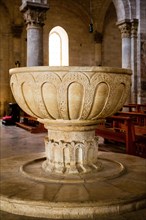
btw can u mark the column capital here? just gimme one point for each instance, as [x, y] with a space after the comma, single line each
[125, 28]
[134, 27]
[34, 13]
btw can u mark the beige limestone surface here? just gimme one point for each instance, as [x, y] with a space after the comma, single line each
[70, 93]
[19, 146]
[70, 101]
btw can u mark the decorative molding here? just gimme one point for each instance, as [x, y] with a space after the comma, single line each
[128, 28]
[63, 87]
[34, 17]
[71, 157]
[134, 28]
[125, 29]
[34, 13]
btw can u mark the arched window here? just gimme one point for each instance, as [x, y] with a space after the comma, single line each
[58, 47]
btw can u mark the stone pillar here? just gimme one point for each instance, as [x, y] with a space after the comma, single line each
[98, 42]
[125, 28]
[134, 90]
[34, 16]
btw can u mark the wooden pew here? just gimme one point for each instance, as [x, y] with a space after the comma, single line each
[135, 107]
[123, 130]
[31, 124]
[137, 117]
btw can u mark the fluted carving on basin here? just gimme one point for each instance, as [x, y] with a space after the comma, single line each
[49, 96]
[46, 105]
[117, 96]
[64, 103]
[17, 86]
[99, 99]
[75, 100]
[69, 93]
[28, 96]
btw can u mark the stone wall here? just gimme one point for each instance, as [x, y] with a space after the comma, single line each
[5, 58]
[84, 49]
[111, 47]
[75, 21]
[11, 48]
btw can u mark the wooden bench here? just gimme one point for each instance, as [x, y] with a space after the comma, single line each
[137, 117]
[135, 107]
[121, 129]
[31, 124]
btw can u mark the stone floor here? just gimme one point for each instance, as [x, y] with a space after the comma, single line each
[16, 142]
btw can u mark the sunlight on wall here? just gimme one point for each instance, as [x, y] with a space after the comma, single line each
[58, 47]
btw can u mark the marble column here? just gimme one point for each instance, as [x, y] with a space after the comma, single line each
[134, 90]
[98, 42]
[34, 16]
[125, 28]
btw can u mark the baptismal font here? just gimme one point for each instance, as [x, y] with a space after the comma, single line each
[72, 179]
[70, 102]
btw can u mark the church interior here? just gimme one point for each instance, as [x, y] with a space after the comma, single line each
[60, 36]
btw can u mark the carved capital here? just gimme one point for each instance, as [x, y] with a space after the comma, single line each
[34, 13]
[134, 27]
[125, 29]
[34, 17]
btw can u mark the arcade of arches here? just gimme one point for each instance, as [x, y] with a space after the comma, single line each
[118, 38]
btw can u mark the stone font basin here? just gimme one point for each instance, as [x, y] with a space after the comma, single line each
[70, 93]
[70, 101]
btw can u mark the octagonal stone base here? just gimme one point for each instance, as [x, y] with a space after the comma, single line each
[118, 188]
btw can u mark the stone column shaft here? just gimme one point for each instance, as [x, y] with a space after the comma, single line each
[125, 28]
[34, 46]
[134, 25]
[34, 16]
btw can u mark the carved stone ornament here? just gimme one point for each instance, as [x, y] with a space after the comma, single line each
[34, 17]
[34, 12]
[125, 29]
[134, 28]
[70, 93]
[70, 102]
[71, 157]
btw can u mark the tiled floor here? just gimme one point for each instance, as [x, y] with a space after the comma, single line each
[17, 142]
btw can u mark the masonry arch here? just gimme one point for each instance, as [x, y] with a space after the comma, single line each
[126, 9]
